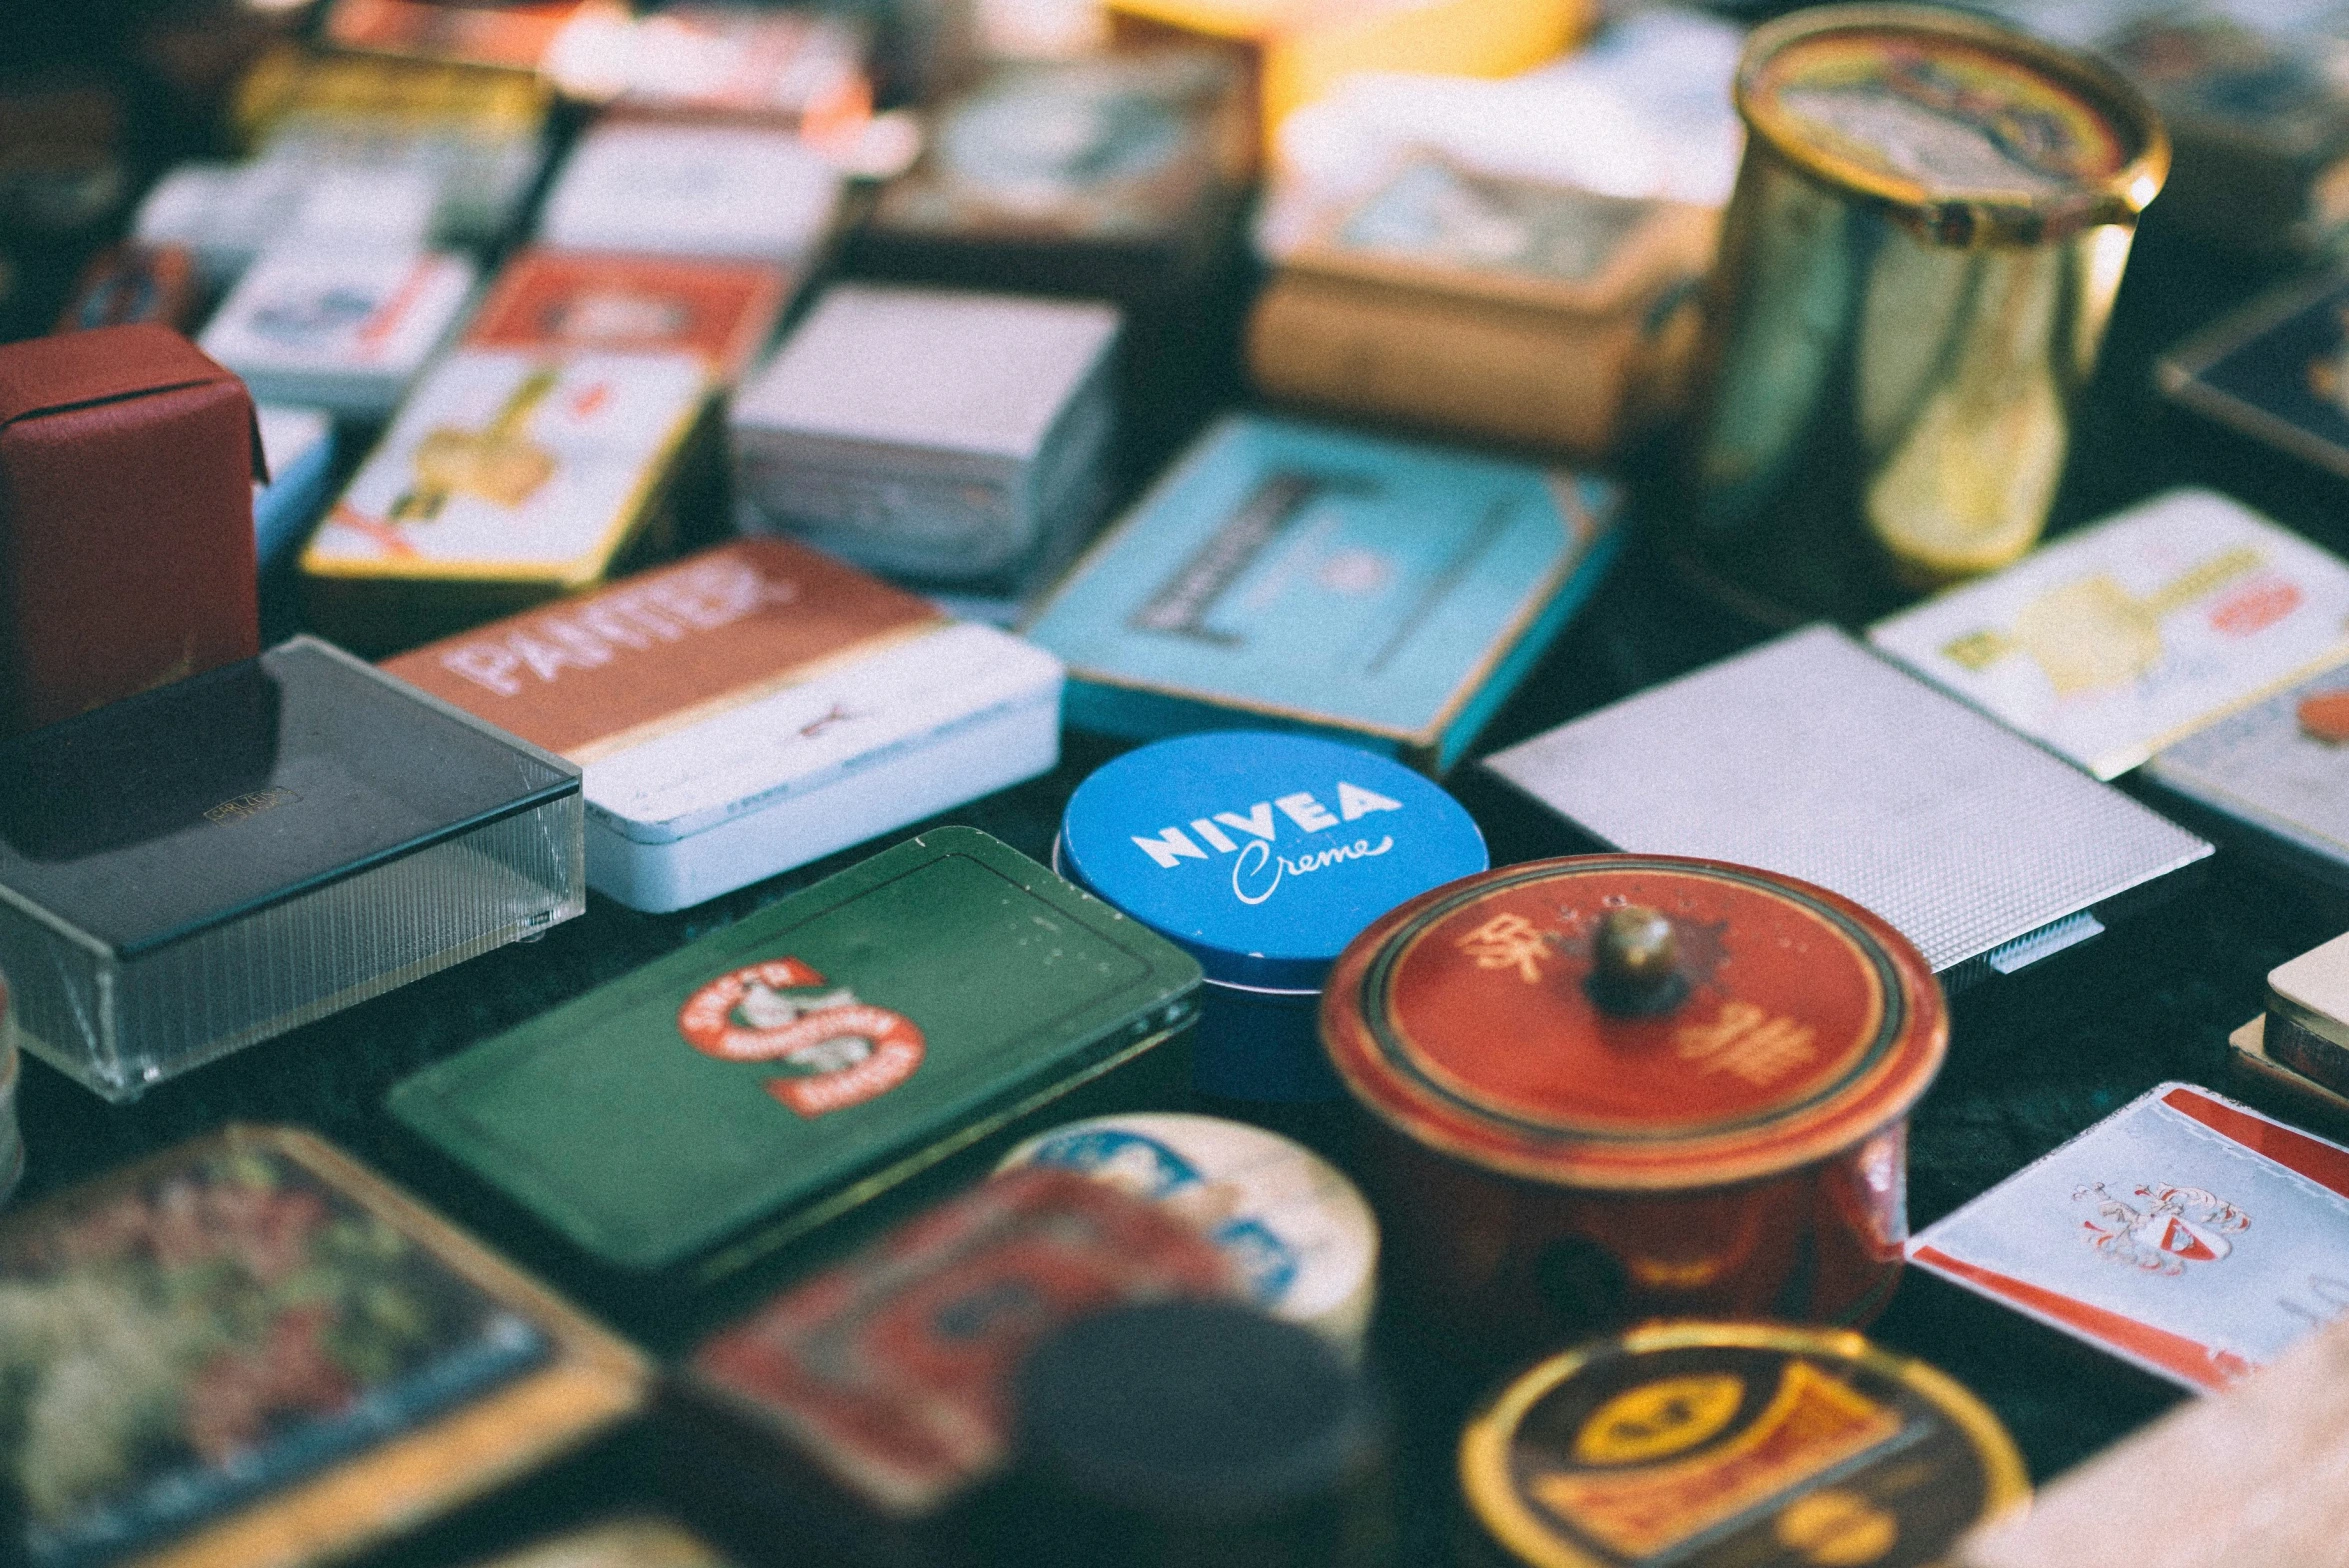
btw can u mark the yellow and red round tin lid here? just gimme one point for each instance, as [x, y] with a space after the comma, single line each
[1775, 1023]
[1953, 116]
[1706, 1445]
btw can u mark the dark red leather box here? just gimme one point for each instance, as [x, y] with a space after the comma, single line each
[127, 461]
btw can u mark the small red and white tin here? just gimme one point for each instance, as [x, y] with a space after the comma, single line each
[1615, 1087]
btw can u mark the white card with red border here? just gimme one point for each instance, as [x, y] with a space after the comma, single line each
[2185, 1233]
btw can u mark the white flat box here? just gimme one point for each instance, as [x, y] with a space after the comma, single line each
[692, 190]
[346, 329]
[1811, 757]
[750, 709]
[930, 434]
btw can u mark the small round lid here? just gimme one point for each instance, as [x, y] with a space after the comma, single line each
[1262, 853]
[1298, 1233]
[1711, 1444]
[1198, 1411]
[1972, 131]
[1634, 1022]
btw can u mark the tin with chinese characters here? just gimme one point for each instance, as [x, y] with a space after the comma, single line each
[1615, 1087]
[1927, 233]
[1706, 1445]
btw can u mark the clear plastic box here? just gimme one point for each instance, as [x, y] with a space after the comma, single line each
[219, 860]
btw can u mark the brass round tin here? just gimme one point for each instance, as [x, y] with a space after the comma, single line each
[1917, 266]
[1711, 1444]
[1580, 1121]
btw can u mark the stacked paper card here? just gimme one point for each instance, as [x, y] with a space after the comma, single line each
[345, 329]
[692, 190]
[956, 440]
[2112, 642]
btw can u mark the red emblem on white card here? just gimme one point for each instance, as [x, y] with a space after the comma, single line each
[835, 1050]
[2161, 1229]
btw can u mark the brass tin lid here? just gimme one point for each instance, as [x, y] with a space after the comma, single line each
[1969, 132]
[1709, 1444]
[1634, 1022]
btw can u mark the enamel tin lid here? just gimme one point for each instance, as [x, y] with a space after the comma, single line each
[1634, 1022]
[1297, 1232]
[1262, 853]
[1974, 132]
[1711, 1444]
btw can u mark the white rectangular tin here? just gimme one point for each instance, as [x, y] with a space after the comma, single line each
[2185, 1233]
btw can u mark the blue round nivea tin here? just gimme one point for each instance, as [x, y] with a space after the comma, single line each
[1262, 854]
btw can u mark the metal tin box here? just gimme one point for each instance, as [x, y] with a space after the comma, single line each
[874, 1399]
[1295, 576]
[1261, 855]
[1916, 269]
[211, 863]
[132, 283]
[1811, 757]
[2112, 642]
[1704, 1445]
[2138, 1236]
[752, 708]
[1503, 309]
[1615, 1087]
[738, 191]
[731, 1097]
[942, 437]
[2276, 371]
[344, 329]
[568, 301]
[508, 479]
[2279, 769]
[298, 446]
[1298, 1234]
[2308, 1015]
[95, 427]
[639, 1541]
[252, 1350]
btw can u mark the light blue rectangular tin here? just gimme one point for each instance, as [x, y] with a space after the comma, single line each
[1293, 576]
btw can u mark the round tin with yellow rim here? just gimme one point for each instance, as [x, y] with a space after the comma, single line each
[1917, 265]
[1622, 1086]
[1711, 1444]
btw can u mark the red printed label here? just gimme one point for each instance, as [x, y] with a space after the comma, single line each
[836, 1051]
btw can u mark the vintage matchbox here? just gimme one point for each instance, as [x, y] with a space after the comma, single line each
[875, 1397]
[724, 1101]
[796, 70]
[750, 709]
[2280, 768]
[2110, 643]
[2184, 1233]
[342, 329]
[515, 37]
[1385, 594]
[508, 479]
[2276, 371]
[253, 1350]
[740, 191]
[568, 301]
[221, 859]
[1506, 309]
[1811, 757]
[950, 440]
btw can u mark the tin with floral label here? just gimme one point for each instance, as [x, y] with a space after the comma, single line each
[1707, 1445]
[1615, 1087]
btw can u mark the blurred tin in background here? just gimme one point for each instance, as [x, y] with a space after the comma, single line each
[1917, 266]
[1261, 855]
[1614, 1087]
[1711, 1444]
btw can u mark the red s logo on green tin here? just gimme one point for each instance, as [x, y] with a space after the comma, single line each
[835, 1050]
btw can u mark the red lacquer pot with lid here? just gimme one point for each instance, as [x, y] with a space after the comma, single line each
[1616, 1087]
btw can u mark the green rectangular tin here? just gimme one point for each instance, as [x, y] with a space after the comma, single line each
[717, 1105]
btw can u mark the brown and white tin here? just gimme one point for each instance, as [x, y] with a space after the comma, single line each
[1615, 1087]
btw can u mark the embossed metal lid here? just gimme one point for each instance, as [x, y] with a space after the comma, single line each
[1262, 853]
[1974, 132]
[1711, 1444]
[1634, 1022]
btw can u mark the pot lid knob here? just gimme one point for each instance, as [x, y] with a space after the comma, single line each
[1635, 963]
